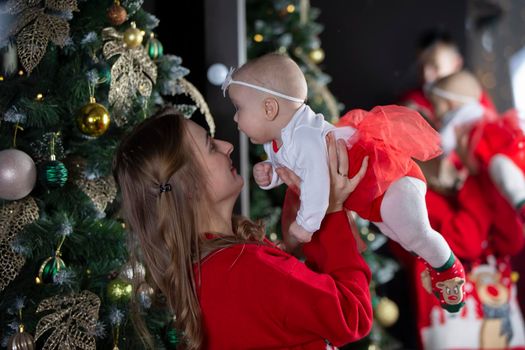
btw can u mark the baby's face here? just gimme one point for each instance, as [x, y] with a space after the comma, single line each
[250, 113]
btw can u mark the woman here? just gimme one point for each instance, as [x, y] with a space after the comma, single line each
[227, 286]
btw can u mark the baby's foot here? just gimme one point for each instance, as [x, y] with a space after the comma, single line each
[447, 284]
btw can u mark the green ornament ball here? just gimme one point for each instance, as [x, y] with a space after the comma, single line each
[154, 48]
[49, 268]
[119, 290]
[104, 74]
[54, 174]
[173, 337]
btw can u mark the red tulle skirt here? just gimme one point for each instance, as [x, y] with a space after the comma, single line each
[391, 136]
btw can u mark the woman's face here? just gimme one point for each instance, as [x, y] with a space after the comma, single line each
[223, 181]
[439, 61]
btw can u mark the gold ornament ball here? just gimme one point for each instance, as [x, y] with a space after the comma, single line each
[317, 55]
[117, 14]
[93, 119]
[21, 340]
[386, 312]
[133, 36]
[119, 290]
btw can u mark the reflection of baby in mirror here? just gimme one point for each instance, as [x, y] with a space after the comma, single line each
[269, 95]
[495, 144]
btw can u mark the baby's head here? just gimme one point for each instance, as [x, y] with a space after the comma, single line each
[266, 92]
[454, 91]
[438, 56]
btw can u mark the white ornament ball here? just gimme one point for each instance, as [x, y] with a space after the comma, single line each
[17, 174]
[217, 73]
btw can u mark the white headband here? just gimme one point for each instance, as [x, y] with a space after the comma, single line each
[229, 81]
[452, 96]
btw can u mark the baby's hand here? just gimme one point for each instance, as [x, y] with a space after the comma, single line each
[299, 233]
[262, 173]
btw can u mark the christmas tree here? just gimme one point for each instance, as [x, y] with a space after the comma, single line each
[74, 78]
[290, 27]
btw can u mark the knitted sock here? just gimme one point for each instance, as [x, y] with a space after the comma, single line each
[447, 283]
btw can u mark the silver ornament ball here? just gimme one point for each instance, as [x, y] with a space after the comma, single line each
[17, 174]
[128, 272]
[145, 295]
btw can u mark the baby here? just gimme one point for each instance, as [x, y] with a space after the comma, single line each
[269, 95]
[496, 145]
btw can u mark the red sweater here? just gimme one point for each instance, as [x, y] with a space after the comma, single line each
[257, 296]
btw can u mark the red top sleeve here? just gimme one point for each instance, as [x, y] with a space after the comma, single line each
[257, 296]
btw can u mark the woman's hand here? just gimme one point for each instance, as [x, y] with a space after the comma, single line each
[340, 185]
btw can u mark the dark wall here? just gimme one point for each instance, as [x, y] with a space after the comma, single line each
[181, 31]
[370, 44]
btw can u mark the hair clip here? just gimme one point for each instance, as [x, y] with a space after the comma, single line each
[165, 188]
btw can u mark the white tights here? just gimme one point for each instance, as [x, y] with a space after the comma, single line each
[405, 220]
[508, 178]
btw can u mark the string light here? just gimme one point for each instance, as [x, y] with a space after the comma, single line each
[290, 8]
[258, 38]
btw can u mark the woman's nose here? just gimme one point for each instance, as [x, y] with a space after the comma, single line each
[226, 147]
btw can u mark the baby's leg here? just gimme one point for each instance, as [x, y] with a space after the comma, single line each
[508, 178]
[405, 220]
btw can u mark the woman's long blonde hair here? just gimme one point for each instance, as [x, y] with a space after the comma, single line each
[164, 226]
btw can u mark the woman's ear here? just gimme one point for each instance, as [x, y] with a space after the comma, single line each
[271, 108]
